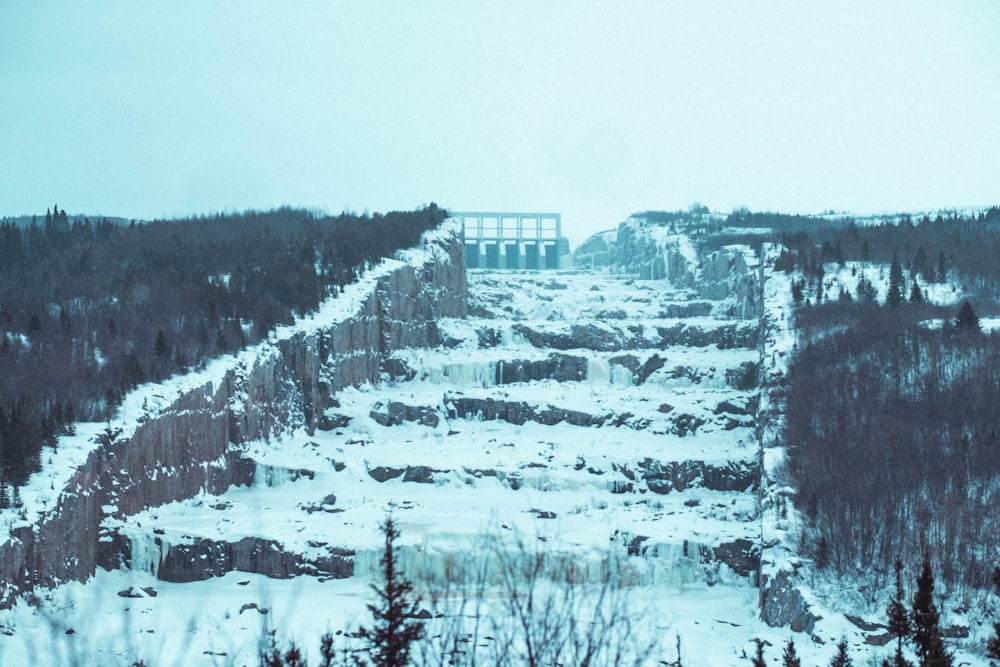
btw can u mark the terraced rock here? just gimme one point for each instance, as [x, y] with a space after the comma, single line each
[609, 416]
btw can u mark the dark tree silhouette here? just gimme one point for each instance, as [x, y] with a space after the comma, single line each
[789, 658]
[966, 320]
[897, 286]
[841, 658]
[396, 628]
[926, 629]
[993, 645]
[899, 619]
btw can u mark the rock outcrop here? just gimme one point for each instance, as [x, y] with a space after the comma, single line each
[192, 444]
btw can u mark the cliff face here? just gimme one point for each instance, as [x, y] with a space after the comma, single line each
[191, 444]
[652, 252]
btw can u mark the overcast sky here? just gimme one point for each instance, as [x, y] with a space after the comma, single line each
[594, 110]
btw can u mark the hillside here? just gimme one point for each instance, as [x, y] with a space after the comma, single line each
[88, 311]
[655, 433]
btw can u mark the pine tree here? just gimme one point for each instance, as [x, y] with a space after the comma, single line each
[161, 348]
[896, 284]
[993, 645]
[389, 642]
[4, 496]
[841, 659]
[941, 272]
[899, 619]
[926, 629]
[916, 296]
[966, 320]
[16, 498]
[789, 657]
[758, 658]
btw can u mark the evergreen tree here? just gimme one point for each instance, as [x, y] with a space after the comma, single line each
[966, 320]
[797, 291]
[926, 630]
[941, 272]
[4, 496]
[916, 296]
[395, 630]
[993, 645]
[16, 498]
[896, 284]
[920, 263]
[789, 657]
[899, 619]
[161, 348]
[841, 659]
[758, 658]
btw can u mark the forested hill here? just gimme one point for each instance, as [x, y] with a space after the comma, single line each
[89, 310]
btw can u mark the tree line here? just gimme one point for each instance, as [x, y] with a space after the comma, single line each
[892, 424]
[90, 309]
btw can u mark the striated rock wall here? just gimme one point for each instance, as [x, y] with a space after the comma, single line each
[653, 253]
[191, 444]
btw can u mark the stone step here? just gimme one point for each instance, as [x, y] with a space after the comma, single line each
[464, 367]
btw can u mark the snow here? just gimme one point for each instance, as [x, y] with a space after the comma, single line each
[562, 471]
[149, 400]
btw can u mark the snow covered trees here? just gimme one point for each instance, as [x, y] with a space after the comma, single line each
[897, 285]
[88, 310]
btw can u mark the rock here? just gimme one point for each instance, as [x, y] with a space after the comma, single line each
[729, 407]
[686, 424]
[666, 476]
[880, 639]
[653, 364]
[629, 361]
[488, 338]
[421, 474]
[955, 632]
[863, 624]
[253, 606]
[781, 604]
[383, 474]
[287, 385]
[517, 412]
[635, 546]
[742, 556]
[331, 421]
[558, 367]
[133, 592]
[397, 369]
[203, 559]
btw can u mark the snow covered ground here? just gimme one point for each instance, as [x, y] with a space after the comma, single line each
[585, 492]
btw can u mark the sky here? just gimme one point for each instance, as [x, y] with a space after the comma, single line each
[594, 110]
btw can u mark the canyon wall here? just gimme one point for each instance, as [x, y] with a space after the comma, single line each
[190, 442]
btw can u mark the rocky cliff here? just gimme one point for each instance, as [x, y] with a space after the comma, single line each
[653, 251]
[184, 437]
